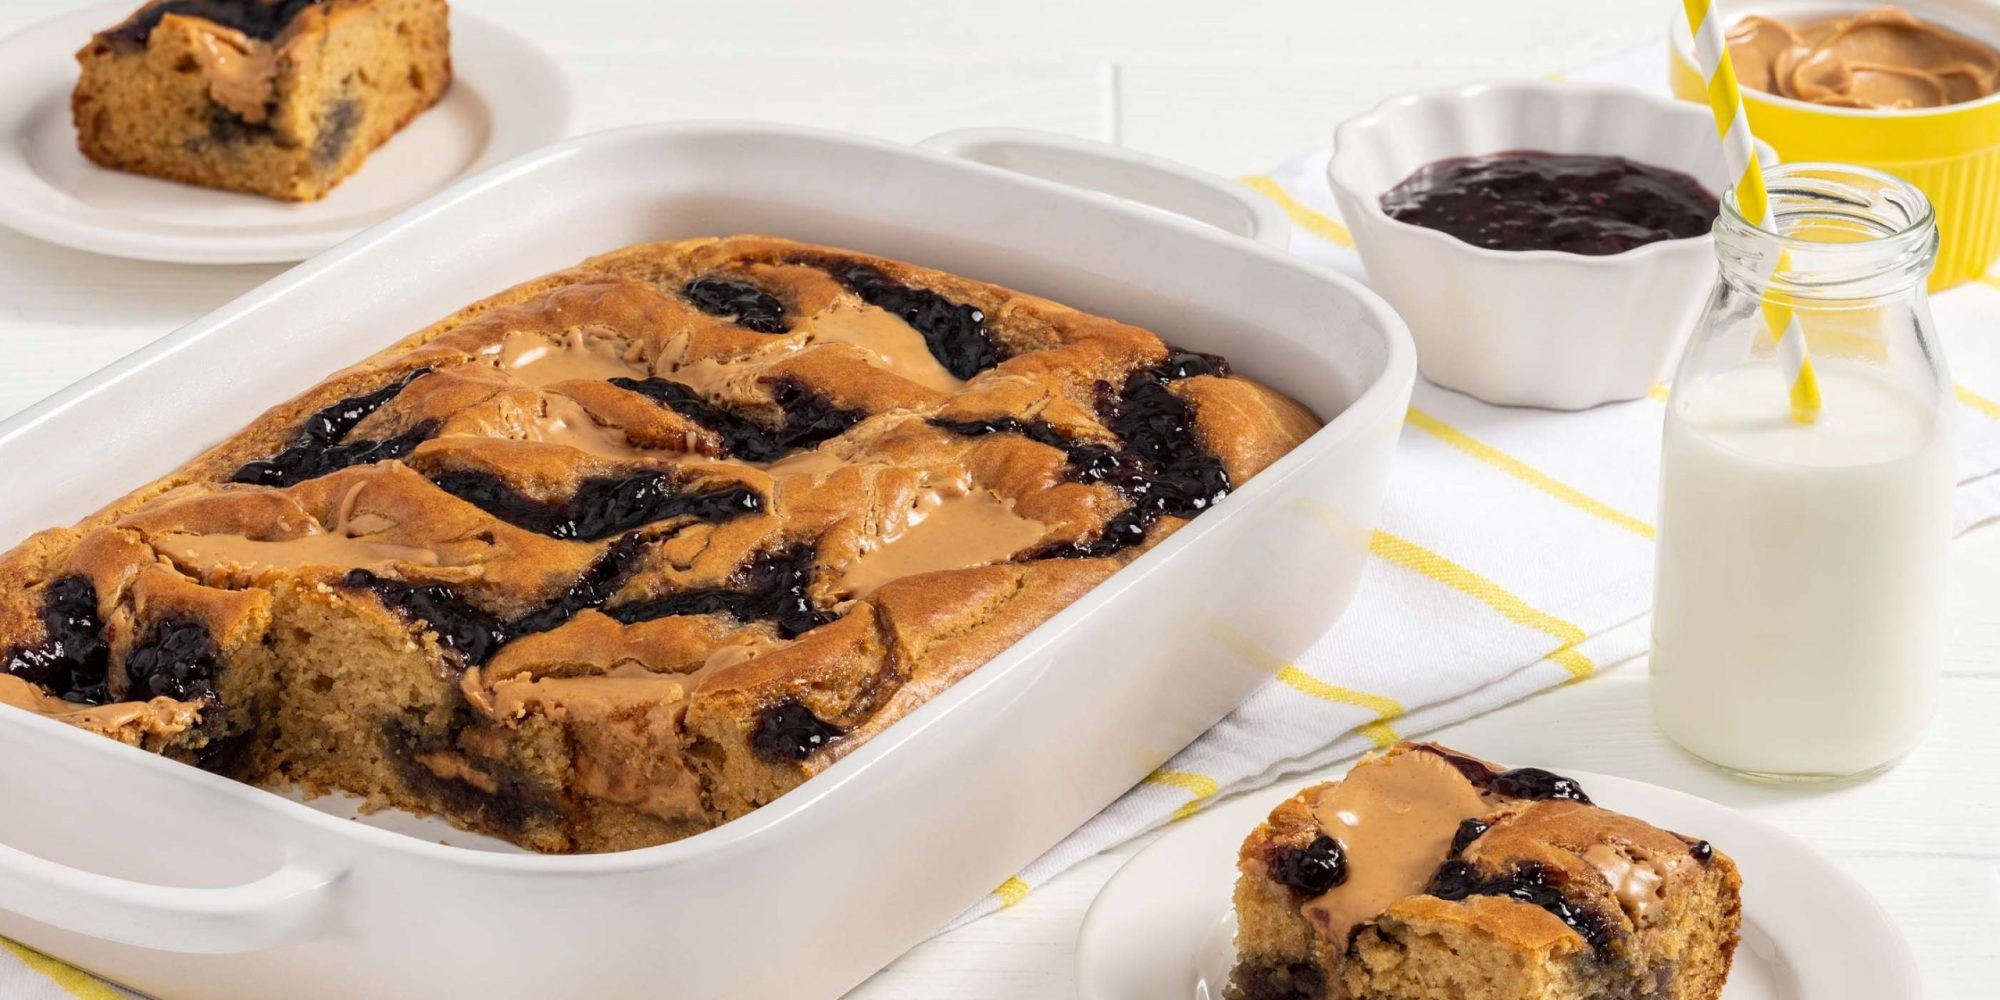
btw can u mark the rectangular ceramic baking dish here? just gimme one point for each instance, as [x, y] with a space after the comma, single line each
[184, 884]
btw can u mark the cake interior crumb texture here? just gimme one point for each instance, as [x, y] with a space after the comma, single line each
[628, 551]
[1428, 874]
[282, 98]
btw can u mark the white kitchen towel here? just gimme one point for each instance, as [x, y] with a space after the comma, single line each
[1512, 543]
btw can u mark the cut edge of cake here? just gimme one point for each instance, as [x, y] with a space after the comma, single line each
[1428, 873]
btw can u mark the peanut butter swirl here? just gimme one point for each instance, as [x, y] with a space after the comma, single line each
[1883, 58]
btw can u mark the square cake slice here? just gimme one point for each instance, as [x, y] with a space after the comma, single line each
[1428, 874]
[282, 98]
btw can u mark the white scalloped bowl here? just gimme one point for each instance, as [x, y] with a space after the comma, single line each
[1536, 327]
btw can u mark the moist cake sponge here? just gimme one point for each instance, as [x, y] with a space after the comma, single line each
[283, 98]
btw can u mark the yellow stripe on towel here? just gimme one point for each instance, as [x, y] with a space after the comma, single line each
[1528, 474]
[1418, 559]
[73, 981]
[1384, 707]
[1201, 786]
[1977, 401]
[1307, 219]
[1991, 280]
[1011, 891]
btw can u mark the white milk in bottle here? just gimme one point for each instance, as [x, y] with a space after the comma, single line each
[1798, 621]
[1799, 600]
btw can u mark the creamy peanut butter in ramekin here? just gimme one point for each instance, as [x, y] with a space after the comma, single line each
[1880, 58]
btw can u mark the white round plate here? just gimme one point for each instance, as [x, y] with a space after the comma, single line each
[1162, 927]
[506, 97]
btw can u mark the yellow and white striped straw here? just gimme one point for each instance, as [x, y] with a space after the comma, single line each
[1725, 98]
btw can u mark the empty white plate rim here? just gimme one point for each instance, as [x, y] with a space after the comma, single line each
[507, 97]
[1159, 929]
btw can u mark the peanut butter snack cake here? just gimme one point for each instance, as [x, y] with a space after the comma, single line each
[630, 550]
[274, 97]
[1427, 874]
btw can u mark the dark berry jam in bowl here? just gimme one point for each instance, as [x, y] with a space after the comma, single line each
[1547, 242]
[1579, 203]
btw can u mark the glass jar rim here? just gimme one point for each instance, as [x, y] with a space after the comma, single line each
[1776, 177]
[1895, 223]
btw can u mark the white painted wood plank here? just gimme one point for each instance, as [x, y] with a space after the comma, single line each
[1256, 30]
[899, 97]
[1950, 908]
[65, 313]
[1234, 117]
[1972, 646]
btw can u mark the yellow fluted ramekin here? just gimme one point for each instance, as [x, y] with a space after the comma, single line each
[1951, 153]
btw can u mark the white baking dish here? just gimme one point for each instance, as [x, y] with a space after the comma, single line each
[185, 884]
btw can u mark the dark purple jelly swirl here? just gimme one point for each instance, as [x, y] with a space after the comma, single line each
[72, 660]
[955, 332]
[1528, 882]
[1593, 205]
[261, 19]
[601, 506]
[322, 446]
[810, 418]
[739, 301]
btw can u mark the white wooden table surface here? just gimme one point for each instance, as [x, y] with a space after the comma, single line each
[1230, 87]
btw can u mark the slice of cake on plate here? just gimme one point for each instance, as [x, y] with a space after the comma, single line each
[1428, 874]
[274, 97]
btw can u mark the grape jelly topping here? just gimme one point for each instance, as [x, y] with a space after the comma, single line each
[176, 659]
[72, 659]
[473, 633]
[1593, 205]
[600, 507]
[1162, 469]
[1529, 883]
[1519, 783]
[741, 301]
[771, 587]
[790, 732]
[1188, 364]
[1312, 869]
[261, 19]
[459, 625]
[322, 444]
[1468, 831]
[1089, 463]
[592, 588]
[810, 418]
[955, 332]
[1702, 850]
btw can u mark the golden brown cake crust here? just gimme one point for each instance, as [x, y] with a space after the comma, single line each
[634, 548]
[1430, 873]
[283, 98]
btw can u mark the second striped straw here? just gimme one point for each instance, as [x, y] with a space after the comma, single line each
[1725, 98]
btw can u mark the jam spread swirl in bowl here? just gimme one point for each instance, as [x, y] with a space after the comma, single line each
[1525, 200]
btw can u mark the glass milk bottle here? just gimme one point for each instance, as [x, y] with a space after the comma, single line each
[1799, 599]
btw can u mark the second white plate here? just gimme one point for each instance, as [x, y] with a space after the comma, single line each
[506, 97]
[1162, 927]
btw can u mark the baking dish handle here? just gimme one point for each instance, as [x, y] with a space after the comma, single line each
[282, 907]
[1115, 170]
